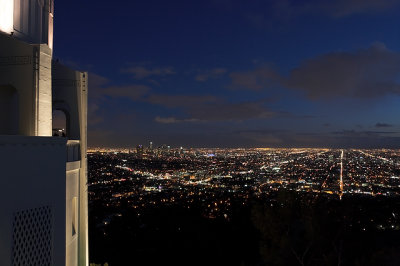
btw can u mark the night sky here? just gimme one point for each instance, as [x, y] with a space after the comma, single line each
[236, 73]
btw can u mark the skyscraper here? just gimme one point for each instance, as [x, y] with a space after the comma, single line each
[139, 150]
[43, 179]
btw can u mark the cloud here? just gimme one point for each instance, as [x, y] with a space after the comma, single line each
[342, 8]
[133, 92]
[337, 139]
[95, 100]
[140, 72]
[257, 79]
[99, 87]
[96, 83]
[366, 133]
[295, 8]
[172, 120]
[224, 111]
[274, 14]
[210, 108]
[380, 125]
[101, 96]
[363, 139]
[99, 137]
[210, 74]
[272, 138]
[176, 101]
[94, 117]
[365, 73]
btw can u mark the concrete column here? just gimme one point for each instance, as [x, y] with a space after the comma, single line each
[83, 188]
[44, 91]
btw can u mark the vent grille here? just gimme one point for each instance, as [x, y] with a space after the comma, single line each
[32, 237]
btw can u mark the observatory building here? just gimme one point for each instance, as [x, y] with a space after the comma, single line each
[43, 178]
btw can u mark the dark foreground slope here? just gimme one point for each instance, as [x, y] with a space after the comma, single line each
[283, 229]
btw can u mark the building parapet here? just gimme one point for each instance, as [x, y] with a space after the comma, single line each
[31, 140]
[73, 150]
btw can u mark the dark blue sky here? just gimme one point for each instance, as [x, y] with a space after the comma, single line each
[236, 73]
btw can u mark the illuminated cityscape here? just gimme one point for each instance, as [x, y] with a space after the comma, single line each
[218, 182]
[250, 171]
[212, 132]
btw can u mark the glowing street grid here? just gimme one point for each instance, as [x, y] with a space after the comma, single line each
[167, 176]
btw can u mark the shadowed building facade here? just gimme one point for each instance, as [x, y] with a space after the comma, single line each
[43, 179]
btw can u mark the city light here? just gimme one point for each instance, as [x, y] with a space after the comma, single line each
[242, 174]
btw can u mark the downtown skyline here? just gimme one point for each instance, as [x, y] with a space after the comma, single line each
[230, 73]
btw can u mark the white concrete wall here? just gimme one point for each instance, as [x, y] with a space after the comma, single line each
[27, 68]
[32, 175]
[70, 95]
[32, 21]
[72, 190]
[66, 93]
[17, 70]
[45, 177]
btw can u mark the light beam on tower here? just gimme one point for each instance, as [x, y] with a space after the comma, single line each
[7, 16]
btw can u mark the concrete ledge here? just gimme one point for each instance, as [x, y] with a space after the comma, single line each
[73, 165]
[31, 140]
